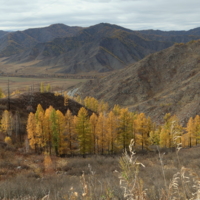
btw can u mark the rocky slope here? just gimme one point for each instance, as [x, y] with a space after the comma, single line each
[99, 48]
[166, 81]
[20, 41]
[2, 33]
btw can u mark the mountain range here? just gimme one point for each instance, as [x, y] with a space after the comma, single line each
[99, 48]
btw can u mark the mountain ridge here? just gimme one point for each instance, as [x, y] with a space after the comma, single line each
[99, 48]
[166, 81]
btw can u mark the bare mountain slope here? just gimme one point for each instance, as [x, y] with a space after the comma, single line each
[166, 81]
[20, 41]
[103, 47]
[99, 48]
[2, 33]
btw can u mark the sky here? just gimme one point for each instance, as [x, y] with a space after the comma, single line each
[133, 14]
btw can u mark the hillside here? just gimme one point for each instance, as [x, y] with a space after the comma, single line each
[2, 33]
[26, 103]
[166, 81]
[20, 41]
[99, 48]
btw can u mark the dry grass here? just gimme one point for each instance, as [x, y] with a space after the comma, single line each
[23, 84]
[130, 176]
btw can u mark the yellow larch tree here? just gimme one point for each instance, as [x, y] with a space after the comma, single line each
[91, 103]
[197, 128]
[171, 131]
[124, 128]
[54, 127]
[93, 125]
[31, 131]
[155, 135]
[116, 110]
[47, 130]
[83, 132]
[7, 122]
[39, 116]
[103, 107]
[101, 134]
[143, 131]
[70, 131]
[61, 132]
[111, 132]
[190, 132]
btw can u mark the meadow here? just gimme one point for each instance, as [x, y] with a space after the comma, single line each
[22, 83]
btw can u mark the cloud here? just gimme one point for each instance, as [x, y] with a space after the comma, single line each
[133, 14]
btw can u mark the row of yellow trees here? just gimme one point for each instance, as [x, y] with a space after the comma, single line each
[105, 133]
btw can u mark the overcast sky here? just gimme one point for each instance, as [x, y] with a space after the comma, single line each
[132, 14]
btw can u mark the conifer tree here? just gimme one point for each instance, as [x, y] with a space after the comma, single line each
[70, 131]
[142, 128]
[42, 87]
[31, 130]
[40, 135]
[93, 124]
[61, 132]
[2, 95]
[83, 132]
[190, 131]
[7, 122]
[54, 131]
[170, 131]
[47, 129]
[155, 135]
[91, 103]
[111, 132]
[101, 133]
[116, 110]
[125, 128]
[197, 128]
[48, 88]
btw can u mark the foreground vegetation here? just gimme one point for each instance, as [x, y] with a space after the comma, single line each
[163, 175]
[108, 139]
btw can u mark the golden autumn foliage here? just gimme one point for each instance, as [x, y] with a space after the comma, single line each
[8, 140]
[106, 132]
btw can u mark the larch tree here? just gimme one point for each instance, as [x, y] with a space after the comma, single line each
[83, 131]
[70, 131]
[116, 110]
[42, 87]
[31, 131]
[171, 131]
[111, 132]
[101, 134]
[48, 88]
[39, 116]
[54, 131]
[197, 128]
[2, 95]
[7, 122]
[93, 124]
[125, 128]
[103, 107]
[190, 131]
[155, 135]
[142, 128]
[47, 129]
[91, 103]
[61, 132]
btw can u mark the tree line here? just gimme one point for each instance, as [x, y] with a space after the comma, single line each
[106, 131]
